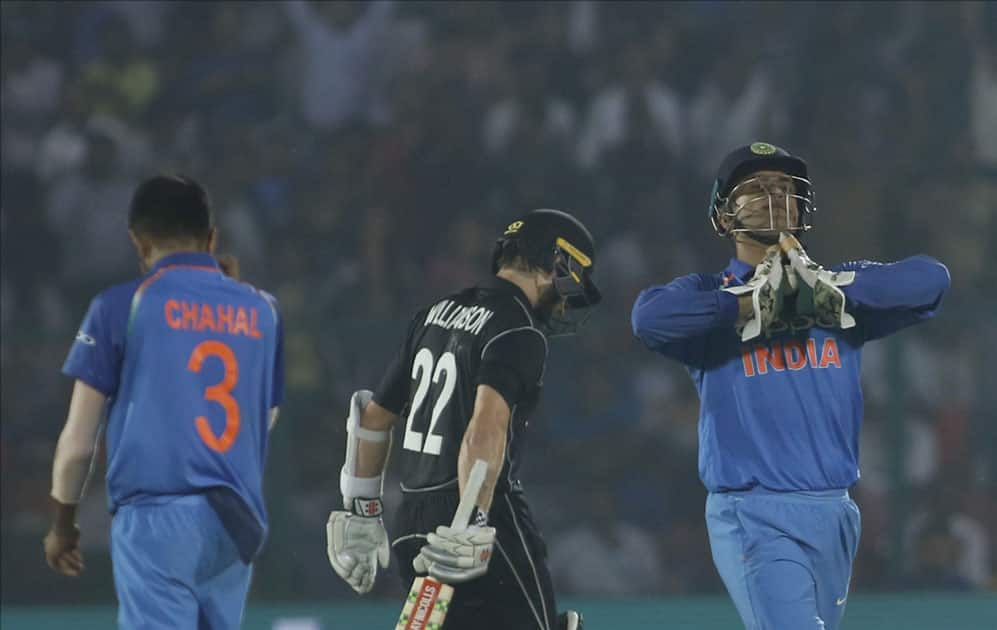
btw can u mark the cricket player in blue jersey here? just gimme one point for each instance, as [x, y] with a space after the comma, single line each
[773, 344]
[187, 362]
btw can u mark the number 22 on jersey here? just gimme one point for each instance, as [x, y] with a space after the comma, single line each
[220, 393]
[423, 368]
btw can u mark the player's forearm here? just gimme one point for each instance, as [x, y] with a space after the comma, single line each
[77, 444]
[485, 439]
[372, 456]
[669, 314]
[915, 283]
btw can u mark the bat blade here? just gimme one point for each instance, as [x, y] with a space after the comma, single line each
[426, 606]
[428, 600]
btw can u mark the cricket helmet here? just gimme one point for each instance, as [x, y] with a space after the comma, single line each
[748, 159]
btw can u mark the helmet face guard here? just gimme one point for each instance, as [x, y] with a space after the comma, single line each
[776, 201]
[576, 291]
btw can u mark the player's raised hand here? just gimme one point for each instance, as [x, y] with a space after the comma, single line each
[819, 293]
[356, 545]
[766, 289]
[456, 555]
[62, 551]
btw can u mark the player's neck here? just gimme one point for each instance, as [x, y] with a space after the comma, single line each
[748, 250]
[156, 254]
[524, 280]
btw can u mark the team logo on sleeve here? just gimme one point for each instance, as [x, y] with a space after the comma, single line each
[84, 338]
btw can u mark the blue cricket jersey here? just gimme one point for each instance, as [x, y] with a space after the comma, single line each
[191, 361]
[782, 412]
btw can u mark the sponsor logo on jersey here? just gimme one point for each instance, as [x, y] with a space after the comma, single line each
[84, 338]
[219, 318]
[792, 355]
[452, 316]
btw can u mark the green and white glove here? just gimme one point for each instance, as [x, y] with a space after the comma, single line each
[819, 292]
[767, 288]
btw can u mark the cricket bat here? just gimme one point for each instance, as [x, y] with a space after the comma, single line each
[428, 600]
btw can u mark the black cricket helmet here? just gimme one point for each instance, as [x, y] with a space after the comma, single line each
[743, 161]
[559, 243]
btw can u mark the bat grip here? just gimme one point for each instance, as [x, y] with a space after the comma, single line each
[469, 497]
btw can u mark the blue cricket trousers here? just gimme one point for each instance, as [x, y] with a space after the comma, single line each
[785, 557]
[176, 567]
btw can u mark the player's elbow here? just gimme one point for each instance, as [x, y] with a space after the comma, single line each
[646, 319]
[937, 280]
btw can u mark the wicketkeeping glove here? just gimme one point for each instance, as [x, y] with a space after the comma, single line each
[456, 555]
[767, 288]
[358, 543]
[819, 293]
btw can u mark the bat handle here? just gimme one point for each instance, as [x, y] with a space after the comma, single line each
[469, 497]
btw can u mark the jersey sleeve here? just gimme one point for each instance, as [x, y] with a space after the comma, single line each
[513, 363]
[672, 318]
[277, 387]
[392, 393]
[888, 297]
[96, 354]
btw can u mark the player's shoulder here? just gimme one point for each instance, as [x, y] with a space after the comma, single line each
[117, 296]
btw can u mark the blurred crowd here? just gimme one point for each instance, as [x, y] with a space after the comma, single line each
[363, 156]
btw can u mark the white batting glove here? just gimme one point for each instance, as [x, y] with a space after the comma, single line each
[824, 299]
[766, 288]
[456, 555]
[356, 545]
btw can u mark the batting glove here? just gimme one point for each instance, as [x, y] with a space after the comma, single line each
[819, 293]
[456, 555]
[358, 543]
[766, 287]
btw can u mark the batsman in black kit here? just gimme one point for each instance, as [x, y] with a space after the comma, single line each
[465, 382]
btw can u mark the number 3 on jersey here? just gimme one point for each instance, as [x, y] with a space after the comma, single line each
[220, 393]
[422, 368]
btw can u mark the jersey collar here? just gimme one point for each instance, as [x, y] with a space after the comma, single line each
[501, 284]
[187, 259]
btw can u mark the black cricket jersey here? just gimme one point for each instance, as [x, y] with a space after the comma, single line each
[484, 335]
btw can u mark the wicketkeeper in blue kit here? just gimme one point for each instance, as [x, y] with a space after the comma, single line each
[773, 344]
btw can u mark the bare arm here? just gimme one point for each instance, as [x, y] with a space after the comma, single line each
[74, 452]
[485, 439]
[70, 472]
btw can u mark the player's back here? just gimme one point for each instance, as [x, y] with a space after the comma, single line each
[434, 382]
[198, 379]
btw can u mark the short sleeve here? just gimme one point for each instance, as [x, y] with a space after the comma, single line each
[392, 393]
[94, 357]
[513, 362]
[277, 387]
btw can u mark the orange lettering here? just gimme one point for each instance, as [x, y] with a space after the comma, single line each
[207, 318]
[189, 315]
[240, 322]
[796, 358]
[174, 321]
[829, 355]
[773, 357]
[812, 352]
[225, 315]
[749, 367]
[254, 331]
